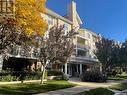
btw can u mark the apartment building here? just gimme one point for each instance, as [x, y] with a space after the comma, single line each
[83, 58]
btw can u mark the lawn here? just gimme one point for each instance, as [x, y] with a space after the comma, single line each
[120, 87]
[33, 88]
[118, 77]
[97, 91]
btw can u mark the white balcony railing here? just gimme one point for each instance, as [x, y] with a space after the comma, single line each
[86, 47]
[19, 52]
[76, 59]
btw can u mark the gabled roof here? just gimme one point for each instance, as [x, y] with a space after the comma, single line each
[78, 18]
[55, 15]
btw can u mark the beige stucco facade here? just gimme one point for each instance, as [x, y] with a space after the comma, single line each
[84, 42]
[83, 57]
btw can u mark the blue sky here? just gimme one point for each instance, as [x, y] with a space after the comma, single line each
[108, 17]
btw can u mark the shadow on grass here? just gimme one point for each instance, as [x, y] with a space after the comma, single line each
[97, 91]
[117, 78]
[120, 87]
[33, 88]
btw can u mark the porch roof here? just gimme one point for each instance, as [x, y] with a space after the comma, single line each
[83, 60]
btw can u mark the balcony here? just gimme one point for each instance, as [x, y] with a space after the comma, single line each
[83, 60]
[19, 52]
[81, 46]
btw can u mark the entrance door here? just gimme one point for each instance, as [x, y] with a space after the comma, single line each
[75, 70]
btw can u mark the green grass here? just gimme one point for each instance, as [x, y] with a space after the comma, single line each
[33, 88]
[120, 87]
[118, 77]
[97, 91]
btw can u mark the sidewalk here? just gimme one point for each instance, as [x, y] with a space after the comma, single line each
[68, 91]
[16, 82]
[84, 86]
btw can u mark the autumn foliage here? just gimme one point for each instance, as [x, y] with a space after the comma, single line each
[27, 16]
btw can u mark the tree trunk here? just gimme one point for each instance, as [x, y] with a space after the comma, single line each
[43, 75]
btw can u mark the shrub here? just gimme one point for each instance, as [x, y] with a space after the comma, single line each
[54, 73]
[58, 75]
[93, 76]
[19, 75]
[8, 78]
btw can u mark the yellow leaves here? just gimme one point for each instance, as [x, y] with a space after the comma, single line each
[27, 16]
[41, 5]
[29, 31]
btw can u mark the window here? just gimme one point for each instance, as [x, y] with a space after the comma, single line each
[89, 35]
[94, 39]
[65, 28]
[6, 6]
[82, 53]
[50, 20]
[80, 41]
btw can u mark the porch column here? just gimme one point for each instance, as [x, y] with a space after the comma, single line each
[1, 62]
[100, 67]
[65, 69]
[76, 45]
[80, 68]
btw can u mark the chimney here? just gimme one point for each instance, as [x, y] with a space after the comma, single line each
[72, 14]
[72, 11]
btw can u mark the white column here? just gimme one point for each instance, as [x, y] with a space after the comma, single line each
[80, 68]
[1, 62]
[65, 69]
[31, 52]
[62, 68]
[19, 51]
[100, 67]
[76, 45]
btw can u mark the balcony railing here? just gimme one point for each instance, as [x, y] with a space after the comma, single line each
[86, 47]
[78, 59]
[18, 51]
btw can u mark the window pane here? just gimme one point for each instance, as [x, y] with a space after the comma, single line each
[4, 7]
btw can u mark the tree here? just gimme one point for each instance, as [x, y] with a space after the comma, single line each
[28, 16]
[56, 47]
[26, 20]
[9, 36]
[107, 52]
[123, 53]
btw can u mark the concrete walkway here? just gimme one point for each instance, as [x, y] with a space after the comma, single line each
[16, 82]
[68, 91]
[84, 86]
[95, 84]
